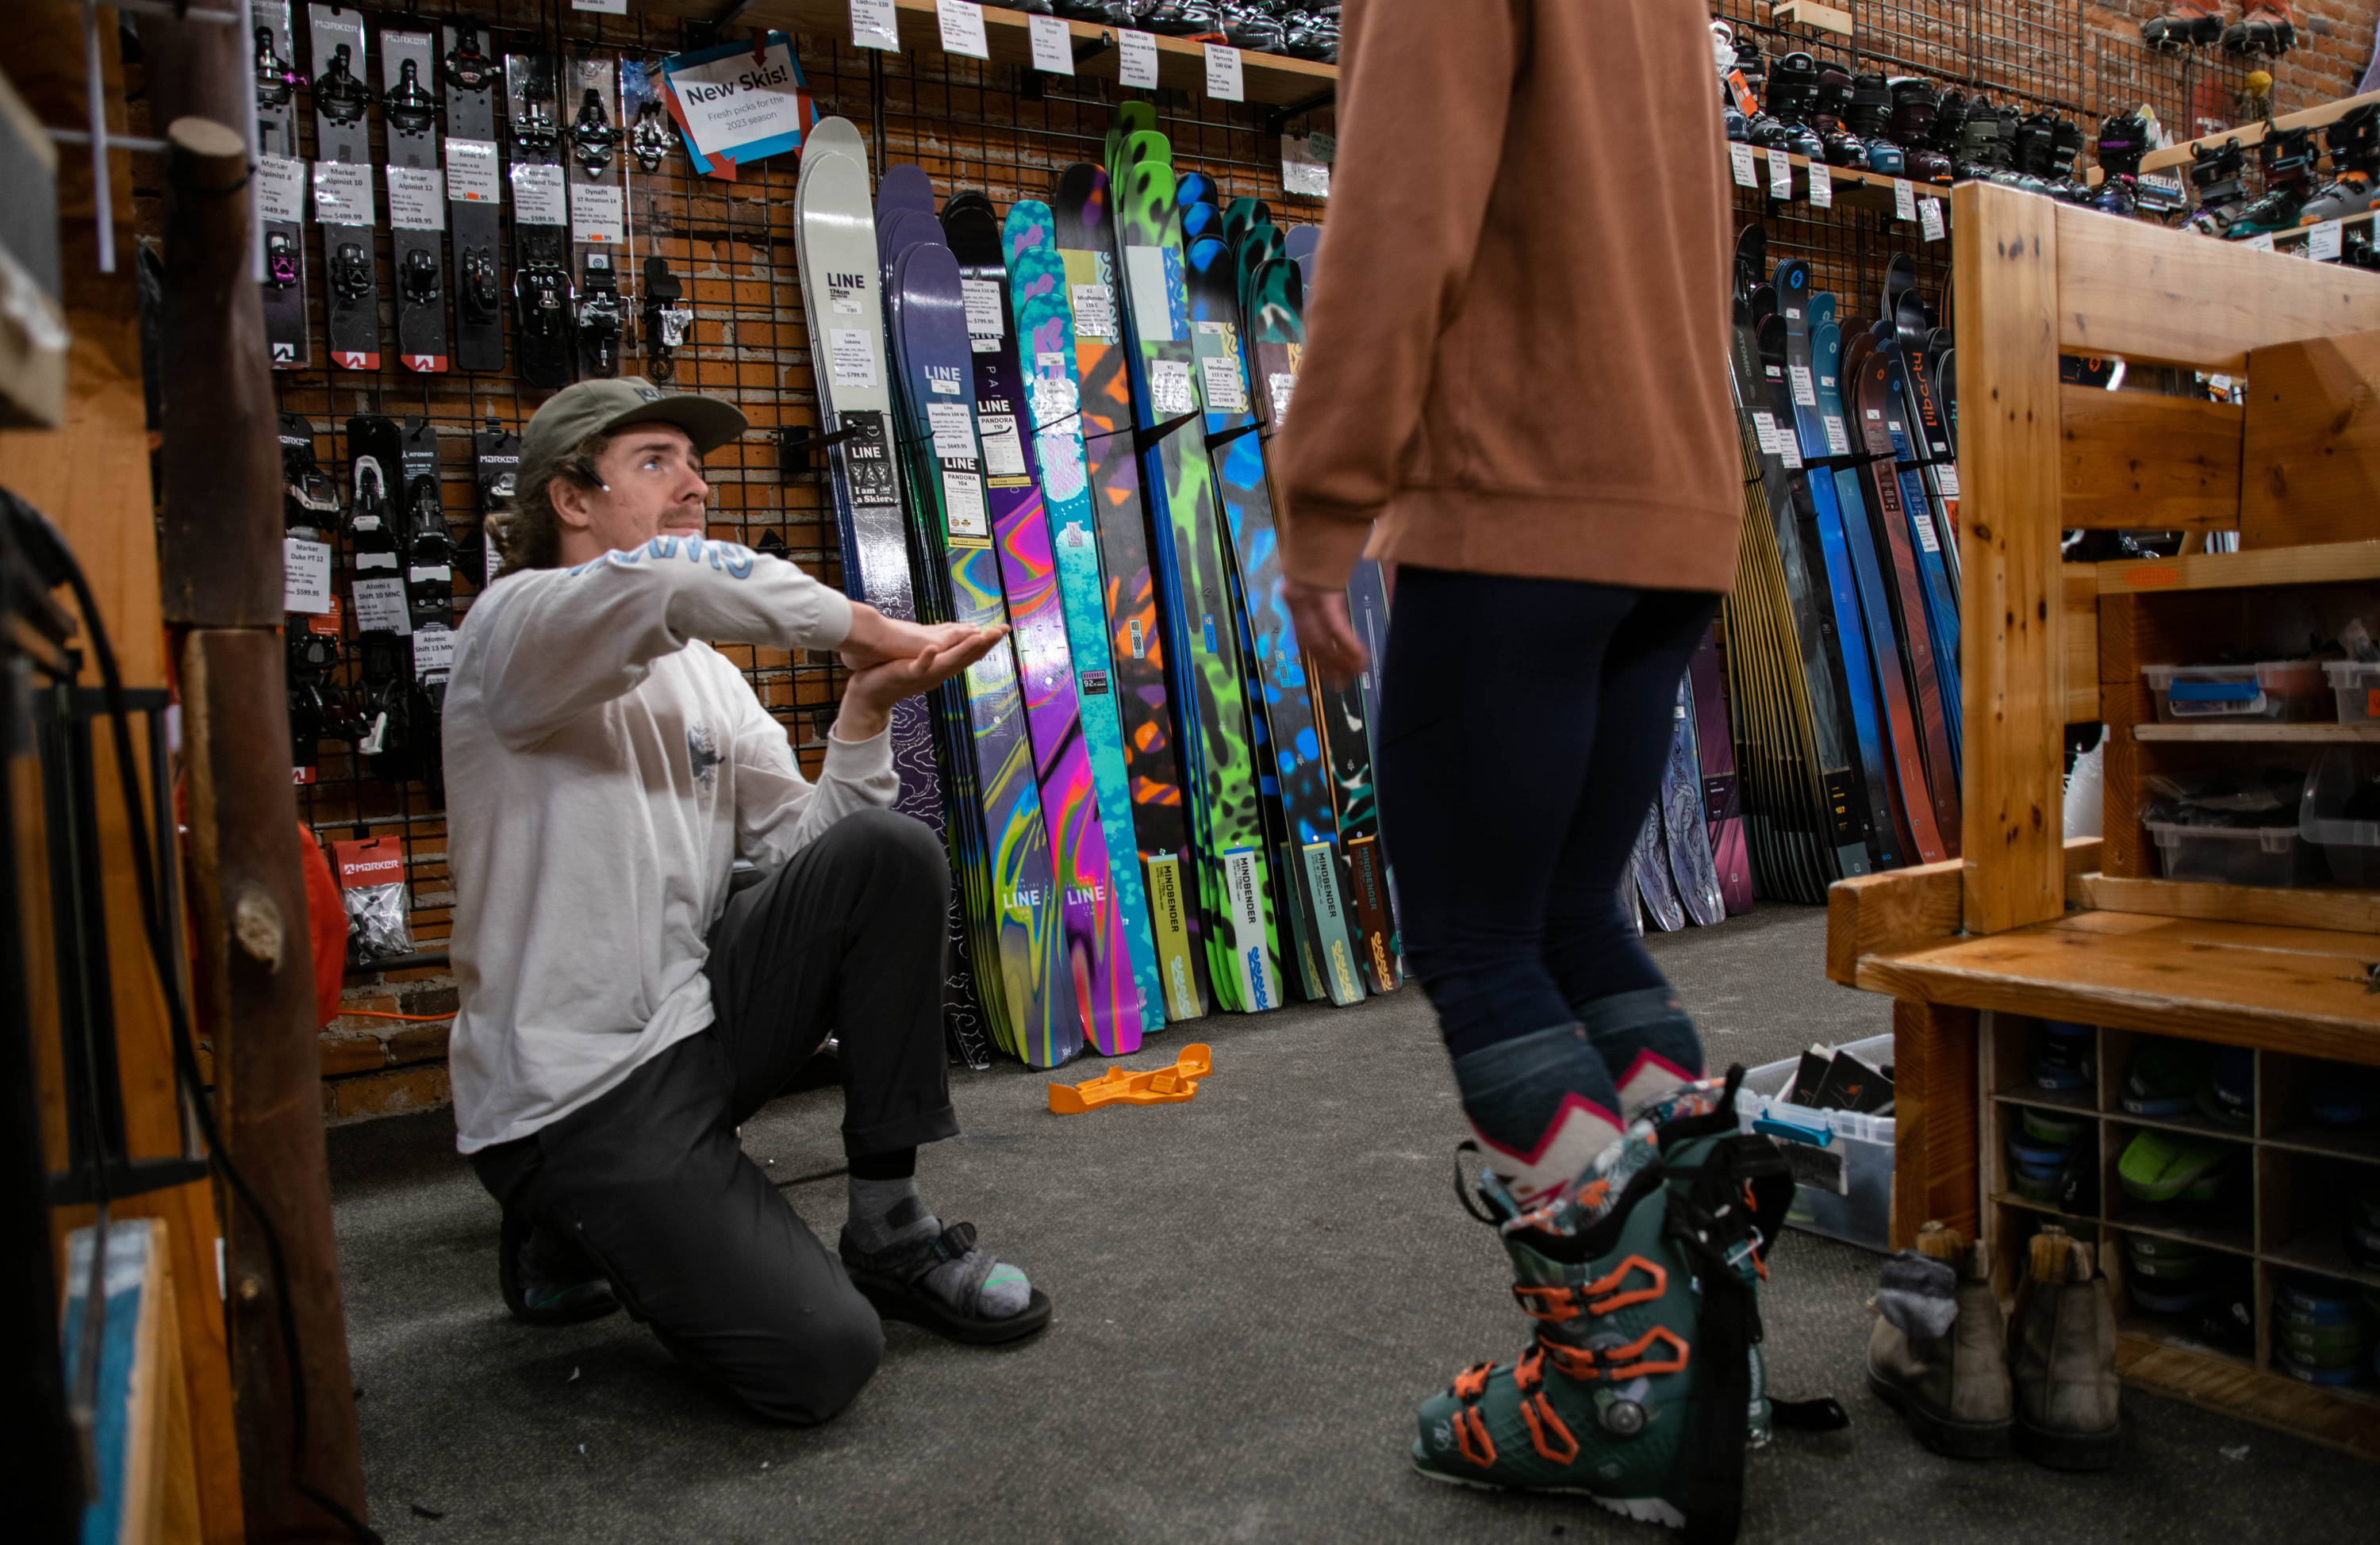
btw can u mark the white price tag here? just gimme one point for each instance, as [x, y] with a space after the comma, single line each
[537, 197]
[280, 187]
[305, 575]
[2261, 242]
[416, 199]
[962, 503]
[1926, 537]
[987, 322]
[433, 652]
[602, 8]
[1764, 426]
[1838, 442]
[849, 357]
[953, 430]
[875, 24]
[1053, 46]
[1136, 59]
[1929, 217]
[342, 194]
[1945, 476]
[599, 213]
[1304, 169]
[380, 606]
[1224, 393]
[471, 172]
[1280, 386]
[2327, 242]
[1094, 311]
[1788, 449]
[962, 28]
[1739, 154]
[1004, 448]
[1224, 81]
[1806, 391]
[1822, 186]
[1781, 175]
[1169, 388]
[1904, 200]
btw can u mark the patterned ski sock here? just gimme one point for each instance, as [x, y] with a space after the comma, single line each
[1648, 1039]
[885, 1214]
[1542, 1106]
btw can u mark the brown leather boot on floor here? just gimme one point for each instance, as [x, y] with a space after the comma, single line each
[2062, 1358]
[1939, 1352]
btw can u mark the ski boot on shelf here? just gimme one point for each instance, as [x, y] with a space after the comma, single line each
[1642, 1388]
[1949, 132]
[1915, 106]
[2287, 157]
[2066, 183]
[1257, 28]
[2354, 140]
[2218, 173]
[2005, 168]
[1978, 154]
[1735, 119]
[2265, 30]
[1866, 119]
[2123, 140]
[1792, 92]
[2185, 25]
[1832, 102]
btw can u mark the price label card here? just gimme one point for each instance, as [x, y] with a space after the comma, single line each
[537, 195]
[1136, 59]
[1281, 386]
[962, 28]
[599, 213]
[380, 606]
[953, 430]
[1094, 311]
[1003, 448]
[1169, 388]
[987, 322]
[603, 8]
[2262, 242]
[306, 577]
[471, 172]
[433, 652]
[1822, 186]
[875, 24]
[1929, 217]
[1946, 477]
[850, 357]
[1053, 46]
[1764, 427]
[1224, 80]
[1904, 200]
[416, 199]
[1223, 389]
[1740, 156]
[281, 187]
[1806, 391]
[1839, 439]
[1781, 175]
[2327, 242]
[1788, 449]
[962, 503]
[1303, 170]
[342, 194]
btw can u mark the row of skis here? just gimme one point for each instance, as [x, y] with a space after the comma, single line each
[1842, 634]
[1056, 418]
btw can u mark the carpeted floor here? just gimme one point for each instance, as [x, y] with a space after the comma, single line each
[1253, 1289]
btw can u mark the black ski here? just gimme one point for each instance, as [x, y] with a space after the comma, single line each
[281, 187]
[475, 199]
[669, 321]
[375, 466]
[597, 211]
[309, 517]
[545, 300]
[427, 553]
[416, 199]
[495, 462]
[345, 205]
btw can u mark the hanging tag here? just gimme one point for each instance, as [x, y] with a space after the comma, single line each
[2261, 242]
[280, 187]
[342, 194]
[1781, 175]
[598, 213]
[537, 195]
[380, 606]
[953, 431]
[1136, 59]
[1739, 155]
[1224, 81]
[1302, 170]
[1822, 186]
[471, 173]
[875, 24]
[416, 199]
[1053, 46]
[1764, 426]
[601, 7]
[306, 577]
[1929, 217]
[962, 28]
[2326, 243]
[850, 357]
[1904, 200]
[1805, 390]
[433, 652]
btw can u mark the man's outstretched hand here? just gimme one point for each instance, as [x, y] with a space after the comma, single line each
[868, 699]
[876, 638]
[1324, 630]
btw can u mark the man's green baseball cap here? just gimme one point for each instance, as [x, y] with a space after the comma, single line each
[594, 407]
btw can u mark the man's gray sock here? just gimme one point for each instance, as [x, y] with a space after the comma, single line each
[887, 1215]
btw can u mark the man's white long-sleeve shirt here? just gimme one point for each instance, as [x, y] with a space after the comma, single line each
[604, 770]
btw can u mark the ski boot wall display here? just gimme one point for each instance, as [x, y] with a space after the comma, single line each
[1297, 30]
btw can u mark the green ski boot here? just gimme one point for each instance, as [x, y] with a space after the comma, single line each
[1642, 1389]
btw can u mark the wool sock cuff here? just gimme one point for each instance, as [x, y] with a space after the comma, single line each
[898, 1163]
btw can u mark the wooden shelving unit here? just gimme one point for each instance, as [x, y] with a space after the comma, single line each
[2027, 927]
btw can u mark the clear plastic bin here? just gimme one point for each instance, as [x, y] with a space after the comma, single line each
[2235, 855]
[2298, 685]
[2351, 848]
[2358, 687]
[1860, 1211]
[2292, 690]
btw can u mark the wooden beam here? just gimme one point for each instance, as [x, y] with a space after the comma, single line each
[2311, 467]
[2335, 1418]
[1897, 909]
[2252, 135]
[1935, 1109]
[2139, 460]
[2346, 912]
[2079, 588]
[2327, 565]
[2261, 733]
[2145, 295]
[2005, 270]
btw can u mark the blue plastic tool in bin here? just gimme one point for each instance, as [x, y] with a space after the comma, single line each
[1842, 1185]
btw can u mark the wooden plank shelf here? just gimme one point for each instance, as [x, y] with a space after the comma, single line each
[2327, 564]
[2263, 733]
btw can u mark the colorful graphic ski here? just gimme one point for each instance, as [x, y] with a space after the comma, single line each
[1685, 832]
[1723, 799]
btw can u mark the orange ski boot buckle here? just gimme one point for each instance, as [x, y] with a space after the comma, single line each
[1154, 1086]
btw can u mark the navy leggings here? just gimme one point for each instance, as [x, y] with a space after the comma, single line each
[1524, 727]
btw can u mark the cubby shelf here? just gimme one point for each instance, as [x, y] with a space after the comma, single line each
[2263, 733]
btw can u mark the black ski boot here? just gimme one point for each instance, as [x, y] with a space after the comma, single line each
[1871, 105]
[1978, 156]
[2287, 156]
[2354, 140]
[1833, 99]
[1792, 94]
[1915, 105]
[1949, 132]
[2185, 25]
[2218, 173]
[2066, 183]
[2123, 140]
[2005, 168]
[2265, 30]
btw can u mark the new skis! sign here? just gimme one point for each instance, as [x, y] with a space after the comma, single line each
[736, 106]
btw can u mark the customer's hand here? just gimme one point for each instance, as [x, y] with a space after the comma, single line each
[1323, 631]
[876, 638]
[868, 697]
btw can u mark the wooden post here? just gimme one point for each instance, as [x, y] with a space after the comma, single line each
[2011, 659]
[252, 961]
[1934, 1084]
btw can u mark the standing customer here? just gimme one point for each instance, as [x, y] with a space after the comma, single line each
[1514, 390]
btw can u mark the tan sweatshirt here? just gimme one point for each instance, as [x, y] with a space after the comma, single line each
[1516, 354]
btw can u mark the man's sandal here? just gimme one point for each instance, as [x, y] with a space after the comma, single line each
[894, 1281]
